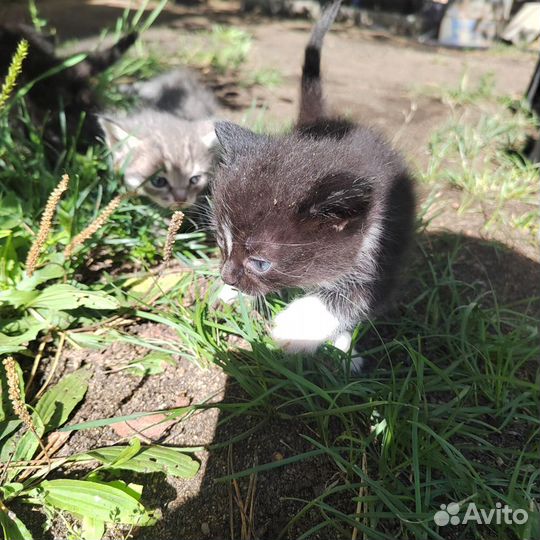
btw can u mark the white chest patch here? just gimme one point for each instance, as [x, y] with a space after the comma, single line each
[227, 238]
[304, 325]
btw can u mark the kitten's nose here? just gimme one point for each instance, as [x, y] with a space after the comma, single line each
[231, 273]
[180, 195]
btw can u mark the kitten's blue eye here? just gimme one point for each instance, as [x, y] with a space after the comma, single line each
[195, 179]
[159, 182]
[259, 265]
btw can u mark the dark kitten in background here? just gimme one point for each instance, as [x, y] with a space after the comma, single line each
[63, 102]
[328, 208]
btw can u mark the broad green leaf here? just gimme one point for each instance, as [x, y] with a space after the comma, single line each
[128, 452]
[101, 502]
[153, 363]
[42, 275]
[51, 411]
[8, 491]
[21, 448]
[13, 527]
[63, 296]
[21, 324]
[11, 344]
[59, 401]
[151, 459]
[11, 214]
[92, 529]
[16, 298]
[8, 427]
[131, 489]
[53, 318]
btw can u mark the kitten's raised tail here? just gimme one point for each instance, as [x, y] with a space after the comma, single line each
[97, 62]
[311, 98]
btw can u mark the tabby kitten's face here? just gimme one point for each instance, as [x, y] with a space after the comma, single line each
[171, 168]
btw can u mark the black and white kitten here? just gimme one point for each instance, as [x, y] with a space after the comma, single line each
[328, 208]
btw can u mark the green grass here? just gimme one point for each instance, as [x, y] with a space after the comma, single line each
[223, 49]
[449, 413]
[455, 373]
[464, 93]
[479, 152]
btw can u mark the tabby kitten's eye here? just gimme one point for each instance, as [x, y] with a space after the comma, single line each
[194, 180]
[259, 265]
[159, 182]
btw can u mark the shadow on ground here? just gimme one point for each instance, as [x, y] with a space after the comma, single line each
[214, 513]
[92, 17]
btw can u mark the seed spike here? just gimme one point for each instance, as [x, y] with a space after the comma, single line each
[174, 226]
[86, 233]
[45, 225]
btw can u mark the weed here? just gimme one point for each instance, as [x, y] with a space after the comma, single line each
[13, 73]
[174, 226]
[482, 160]
[223, 49]
[267, 77]
[463, 94]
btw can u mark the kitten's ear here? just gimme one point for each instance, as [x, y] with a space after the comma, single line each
[236, 140]
[119, 141]
[208, 134]
[337, 199]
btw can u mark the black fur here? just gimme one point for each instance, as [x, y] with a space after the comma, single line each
[70, 91]
[330, 205]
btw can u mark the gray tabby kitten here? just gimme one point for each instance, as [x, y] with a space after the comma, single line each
[165, 150]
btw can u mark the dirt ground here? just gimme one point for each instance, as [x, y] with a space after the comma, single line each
[373, 78]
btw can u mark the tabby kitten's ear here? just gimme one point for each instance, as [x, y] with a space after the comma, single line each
[337, 199]
[207, 132]
[236, 140]
[119, 141]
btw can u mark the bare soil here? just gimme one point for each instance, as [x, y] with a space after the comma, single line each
[375, 79]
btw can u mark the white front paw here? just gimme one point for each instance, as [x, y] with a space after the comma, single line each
[304, 325]
[343, 341]
[228, 294]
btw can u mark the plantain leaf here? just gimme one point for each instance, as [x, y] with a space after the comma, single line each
[42, 275]
[102, 502]
[8, 491]
[153, 285]
[51, 411]
[21, 448]
[11, 344]
[13, 527]
[59, 401]
[17, 298]
[128, 452]
[92, 529]
[151, 459]
[62, 296]
[8, 427]
[153, 363]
